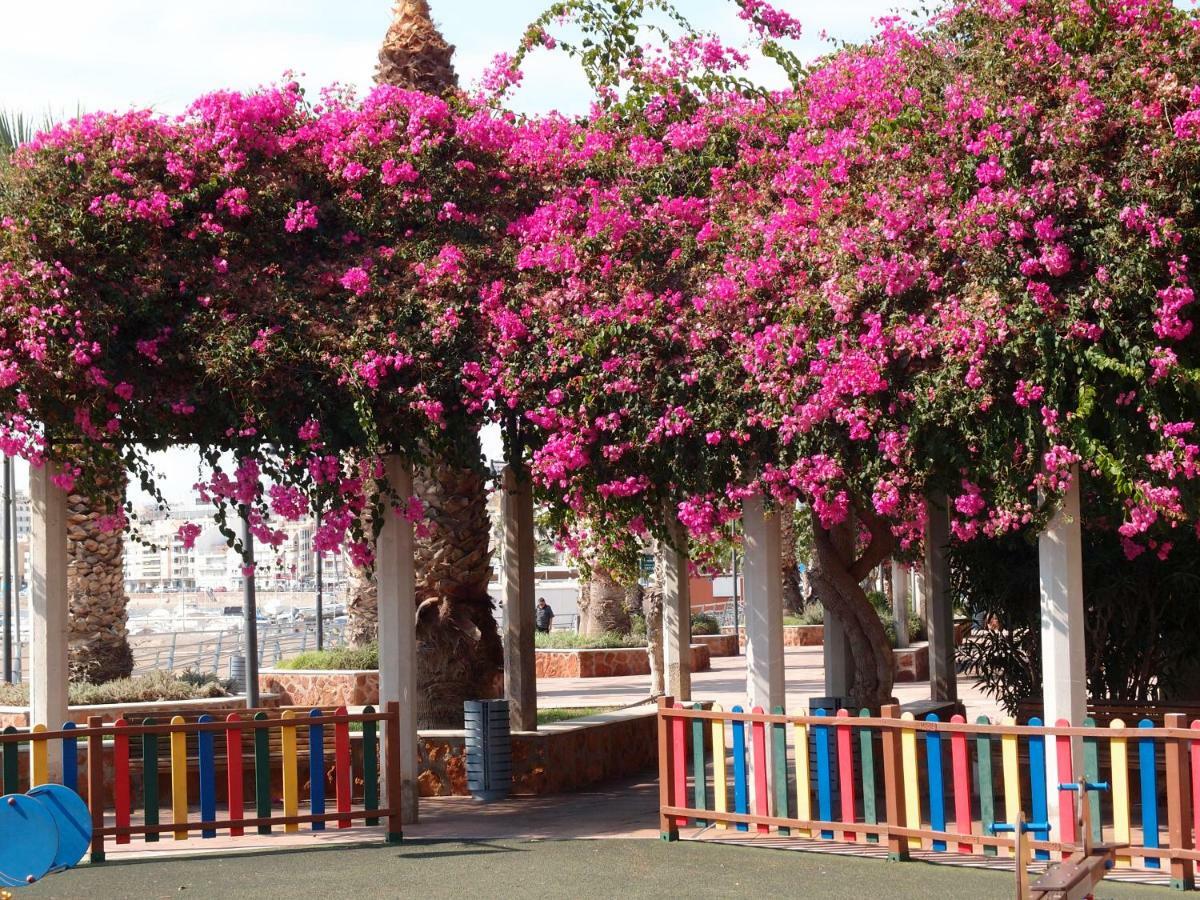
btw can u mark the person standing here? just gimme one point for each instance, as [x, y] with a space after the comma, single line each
[543, 616]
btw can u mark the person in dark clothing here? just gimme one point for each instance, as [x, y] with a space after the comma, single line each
[543, 615]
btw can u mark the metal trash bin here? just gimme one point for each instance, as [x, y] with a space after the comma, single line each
[237, 672]
[489, 749]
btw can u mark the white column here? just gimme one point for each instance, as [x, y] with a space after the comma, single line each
[395, 574]
[48, 670]
[764, 605]
[1064, 666]
[918, 591]
[517, 575]
[677, 616]
[900, 602]
[939, 609]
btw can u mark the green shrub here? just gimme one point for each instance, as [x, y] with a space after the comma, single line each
[812, 614]
[339, 658]
[637, 625]
[155, 686]
[569, 640]
[703, 623]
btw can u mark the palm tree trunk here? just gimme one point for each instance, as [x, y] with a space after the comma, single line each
[97, 634]
[603, 604]
[459, 654]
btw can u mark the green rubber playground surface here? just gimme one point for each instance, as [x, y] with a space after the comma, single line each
[535, 869]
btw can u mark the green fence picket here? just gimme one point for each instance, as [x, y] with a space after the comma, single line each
[150, 780]
[699, 765]
[262, 772]
[780, 768]
[370, 749]
[866, 750]
[1091, 772]
[11, 751]
[987, 804]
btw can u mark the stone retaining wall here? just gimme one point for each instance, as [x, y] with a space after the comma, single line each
[912, 662]
[798, 635]
[558, 758]
[316, 687]
[718, 644]
[618, 661]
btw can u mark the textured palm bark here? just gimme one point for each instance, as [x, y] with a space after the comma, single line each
[604, 604]
[414, 54]
[836, 577]
[98, 638]
[459, 654]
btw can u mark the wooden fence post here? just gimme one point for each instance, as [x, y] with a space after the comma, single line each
[95, 762]
[1179, 805]
[893, 786]
[391, 765]
[668, 826]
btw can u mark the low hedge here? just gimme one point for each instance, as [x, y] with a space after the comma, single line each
[339, 658]
[569, 640]
[150, 688]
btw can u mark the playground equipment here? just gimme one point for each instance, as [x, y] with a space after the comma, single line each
[1075, 877]
[43, 831]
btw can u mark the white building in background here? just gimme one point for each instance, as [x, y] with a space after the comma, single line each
[161, 563]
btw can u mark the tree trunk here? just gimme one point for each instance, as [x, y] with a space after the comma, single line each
[362, 607]
[97, 634]
[836, 577]
[793, 597]
[603, 605]
[652, 609]
[459, 653]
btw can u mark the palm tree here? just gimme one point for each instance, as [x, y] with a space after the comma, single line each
[460, 656]
[97, 633]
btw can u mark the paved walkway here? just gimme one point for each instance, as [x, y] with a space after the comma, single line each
[726, 684]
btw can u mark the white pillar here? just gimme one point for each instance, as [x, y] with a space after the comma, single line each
[395, 574]
[48, 671]
[764, 605]
[939, 609]
[1064, 666]
[517, 575]
[918, 591]
[677, 615]
[900, 602]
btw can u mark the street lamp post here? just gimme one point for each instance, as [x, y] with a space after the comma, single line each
[320, 595]
[250, 612]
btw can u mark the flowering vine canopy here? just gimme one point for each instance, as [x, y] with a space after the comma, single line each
[955, 258]
[261, 276]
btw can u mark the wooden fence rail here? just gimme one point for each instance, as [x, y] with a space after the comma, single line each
[254, 744]
[892, 780]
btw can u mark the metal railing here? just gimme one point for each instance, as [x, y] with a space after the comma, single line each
[209, 652]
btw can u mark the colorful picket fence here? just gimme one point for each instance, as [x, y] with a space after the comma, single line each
[931, 785]
[210, 762]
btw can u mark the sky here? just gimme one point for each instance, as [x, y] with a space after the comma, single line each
[62, 56]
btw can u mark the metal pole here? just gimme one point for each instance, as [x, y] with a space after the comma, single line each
[250, 612]
[13, 552]
[8, 572]
[320, 596]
